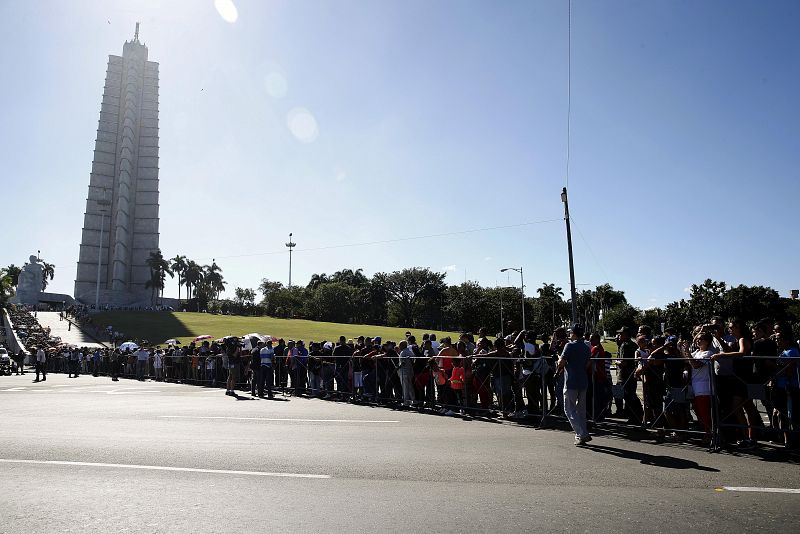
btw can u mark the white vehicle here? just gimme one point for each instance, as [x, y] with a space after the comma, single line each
[5, 362]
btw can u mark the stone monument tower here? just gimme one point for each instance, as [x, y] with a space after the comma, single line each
[120, 227]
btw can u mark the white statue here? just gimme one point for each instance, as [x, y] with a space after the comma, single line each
[30, 278]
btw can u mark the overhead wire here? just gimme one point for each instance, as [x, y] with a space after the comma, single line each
[385, 241]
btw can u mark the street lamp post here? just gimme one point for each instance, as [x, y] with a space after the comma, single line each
[522, 288]
[290, 245]
[565, 200]
[102, 203]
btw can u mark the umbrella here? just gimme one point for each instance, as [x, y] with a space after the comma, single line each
[172, 342]
[129, 345]
[203, 337]
[259, 337]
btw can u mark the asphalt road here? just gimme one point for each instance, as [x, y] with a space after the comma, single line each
[91, 455]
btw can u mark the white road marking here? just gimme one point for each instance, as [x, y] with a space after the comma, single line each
[14, 389]
[163, 468]
[290, 419]
[761, 490]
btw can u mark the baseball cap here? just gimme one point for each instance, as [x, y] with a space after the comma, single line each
[576, 329]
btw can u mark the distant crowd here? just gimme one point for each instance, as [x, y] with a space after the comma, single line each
[724, 384]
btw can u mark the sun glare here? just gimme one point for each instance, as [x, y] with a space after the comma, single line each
[227, 10]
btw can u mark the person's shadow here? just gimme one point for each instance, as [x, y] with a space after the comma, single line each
[669, 462]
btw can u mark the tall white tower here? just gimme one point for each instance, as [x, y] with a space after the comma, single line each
[123, 184]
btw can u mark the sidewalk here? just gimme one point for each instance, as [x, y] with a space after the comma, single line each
[73, 336]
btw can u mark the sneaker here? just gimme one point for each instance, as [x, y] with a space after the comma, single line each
[587, 438]
[746, 445]
[578, 441]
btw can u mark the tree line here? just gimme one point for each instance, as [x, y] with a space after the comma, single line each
[419, 298]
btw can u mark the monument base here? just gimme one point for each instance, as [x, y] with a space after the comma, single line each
[88, 295]
[41, 297]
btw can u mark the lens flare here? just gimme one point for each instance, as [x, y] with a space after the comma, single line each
[276, 85]
[227, 10]
[302, 124]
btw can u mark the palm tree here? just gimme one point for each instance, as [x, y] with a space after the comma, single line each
[48, 271]
[317, 280]
[193, 277]
[551, 293]
[213, 278]
[178, 265]
[159, 269]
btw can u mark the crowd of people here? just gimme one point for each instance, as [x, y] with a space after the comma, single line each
[724, 384]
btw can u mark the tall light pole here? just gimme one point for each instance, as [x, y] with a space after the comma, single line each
[565, 200]
[290, 245]
[522, 288]
[102, 203]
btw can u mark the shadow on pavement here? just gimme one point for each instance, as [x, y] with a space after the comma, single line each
[669, 462]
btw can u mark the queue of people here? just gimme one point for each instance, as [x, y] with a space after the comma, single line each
[703, 385]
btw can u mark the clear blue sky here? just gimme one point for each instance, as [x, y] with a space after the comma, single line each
[431, 117]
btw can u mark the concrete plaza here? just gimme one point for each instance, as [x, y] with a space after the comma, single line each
[91, 455]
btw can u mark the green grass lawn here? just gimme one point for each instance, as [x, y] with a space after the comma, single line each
[157, 327]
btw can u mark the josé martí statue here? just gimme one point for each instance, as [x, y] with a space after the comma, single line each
[29, 285]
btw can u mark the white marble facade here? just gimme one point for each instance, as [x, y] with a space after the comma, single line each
[125, 173]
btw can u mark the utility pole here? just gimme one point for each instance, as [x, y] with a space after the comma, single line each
[565, 200]
[290, 245]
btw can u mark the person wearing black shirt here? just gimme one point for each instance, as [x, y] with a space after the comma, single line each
[764, 349]
[625, 368]
[255, 367]
[342, 354]
[328, 370]
[672, 364]
[280, 364]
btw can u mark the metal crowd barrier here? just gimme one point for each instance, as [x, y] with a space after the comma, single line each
[756, 401]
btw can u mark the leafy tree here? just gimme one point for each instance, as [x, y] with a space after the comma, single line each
[13, 271]
[706, 300]
[6, 285]
[463, 305]
[676, 315]
[752, 303]
[334, 302]
[409, 287]
[619, 316]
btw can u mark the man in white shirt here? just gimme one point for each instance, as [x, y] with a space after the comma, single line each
[41, 364]
[75, 358]
[142, 356]
[158, 364]
[265, 376]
